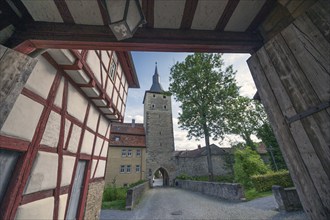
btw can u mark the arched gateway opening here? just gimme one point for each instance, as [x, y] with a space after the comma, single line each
[160, 178]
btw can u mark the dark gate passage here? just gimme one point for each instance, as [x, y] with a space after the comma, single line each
[160, 178]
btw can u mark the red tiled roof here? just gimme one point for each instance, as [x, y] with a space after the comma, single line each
[126, 135]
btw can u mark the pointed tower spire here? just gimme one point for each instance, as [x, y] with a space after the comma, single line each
[156, 86]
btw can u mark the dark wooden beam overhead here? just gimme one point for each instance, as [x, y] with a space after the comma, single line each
[148, 11]
[58, 35]
[103, 11]
[226, 15]
[64, 11]
[265, 10]
[188, 14]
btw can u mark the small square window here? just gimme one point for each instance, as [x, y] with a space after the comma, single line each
[125, 184]
[117, 138]
[129, 153]
[137, 168]
[153, 106]
[128, 168]
[164, 106]
[123, 152]
[122, 169]
[154, 95]
[138, 152]
[164, 96]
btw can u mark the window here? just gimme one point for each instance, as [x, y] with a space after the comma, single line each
[153, 106]
[125, 184]
[164, 106]
[164, 96]
[112, 70]
[137, 168]
[123, 152]
[138, 152]
[154, 95]
[117, 138]
[128, 168]
[129, 153]
[122, 168]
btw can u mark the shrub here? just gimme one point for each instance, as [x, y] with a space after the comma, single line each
[265, 182]
[136, 183]
[248, 163]
[112, 193]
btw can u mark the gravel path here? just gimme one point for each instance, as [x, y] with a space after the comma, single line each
[173, 203]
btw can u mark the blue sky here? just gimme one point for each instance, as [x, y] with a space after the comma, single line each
[145, 67]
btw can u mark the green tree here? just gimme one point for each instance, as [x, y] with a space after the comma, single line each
[245, 118]
[266, 134]
[248, 163]
[203, 87]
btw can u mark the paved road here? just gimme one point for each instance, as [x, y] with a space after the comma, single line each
[172, 203]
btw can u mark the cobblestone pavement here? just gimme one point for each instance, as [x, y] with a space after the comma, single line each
[172, 203]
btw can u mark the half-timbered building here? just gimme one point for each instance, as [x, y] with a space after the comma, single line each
[54, 140]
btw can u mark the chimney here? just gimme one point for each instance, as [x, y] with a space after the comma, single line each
[199, 146]
[133, 123]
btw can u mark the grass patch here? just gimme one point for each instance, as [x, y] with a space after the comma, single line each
[251, 194]
[117, 204]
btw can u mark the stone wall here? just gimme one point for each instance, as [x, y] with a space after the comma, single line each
[94, 200]
[230, 191]
[287, 198]
[134, 195]
[198, 166]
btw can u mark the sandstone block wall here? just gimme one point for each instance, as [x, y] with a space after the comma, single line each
[135, 194]
[94, 200]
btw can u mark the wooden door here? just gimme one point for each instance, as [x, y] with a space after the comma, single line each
[76, 190]
[292, 75]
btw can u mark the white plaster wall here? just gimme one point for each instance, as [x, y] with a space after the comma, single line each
[66, 130]
[41, 78]
[93, 167]
[40, 209]
[94, 63]
[103, 126]
[52, 131]
[173, 18]
[43, 11]
[105, 149]
[92, 118]
[100, 169]
[87, 145]
[23, 118]
[85, 12]
[67, 169]
[244, 14]
[77, 104]
[98, 146]
[62, 206]
[59, 94]
[109, 88]
[74, 139]
[62, 57]
[44, 173]
[207, 14]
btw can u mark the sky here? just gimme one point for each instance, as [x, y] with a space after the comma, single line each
[145, 67]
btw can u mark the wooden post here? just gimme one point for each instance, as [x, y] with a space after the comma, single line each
[292, 75]
[15, 69]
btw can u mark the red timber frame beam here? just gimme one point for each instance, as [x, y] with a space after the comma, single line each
[57, 35]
